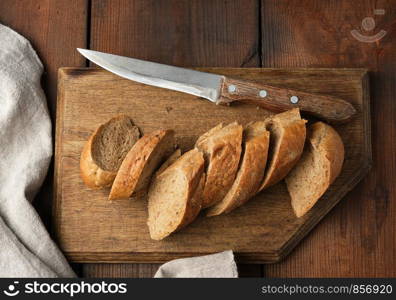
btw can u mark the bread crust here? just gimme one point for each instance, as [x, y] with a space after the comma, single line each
[131, 176]
[92, 175]
[331, 145]
[191, 164]
[326, 144]
[251, 170]
[209, 133]
[222, 149]
[291, 145]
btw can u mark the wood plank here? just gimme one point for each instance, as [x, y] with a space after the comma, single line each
[358, 238]
[263, 230]
[185, 33]
[120, 270]
[55, 29]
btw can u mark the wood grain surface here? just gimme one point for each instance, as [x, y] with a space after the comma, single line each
[185, 33]
[358, 237]
[89, 228]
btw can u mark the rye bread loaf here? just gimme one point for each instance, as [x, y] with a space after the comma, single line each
[140, 163]
[286, 145]
[251, 169]
[175, 195]
[318, 167]
[221, 147]
[105, 150]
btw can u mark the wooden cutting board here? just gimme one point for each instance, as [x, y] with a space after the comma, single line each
[89, 228]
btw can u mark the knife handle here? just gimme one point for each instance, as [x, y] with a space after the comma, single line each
[278, 99]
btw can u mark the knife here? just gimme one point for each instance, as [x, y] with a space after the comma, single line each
[222, 89]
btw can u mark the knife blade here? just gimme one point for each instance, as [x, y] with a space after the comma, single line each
[222, 89]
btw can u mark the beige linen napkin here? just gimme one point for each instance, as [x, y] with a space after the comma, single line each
[26, 250]
[219, 265]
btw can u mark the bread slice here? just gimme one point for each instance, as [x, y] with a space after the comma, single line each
[222, 148]
[141, 161]
[318, 167]
[175, 195]
[286, 145]
[251, 170]
[171, 159]
[105, 150]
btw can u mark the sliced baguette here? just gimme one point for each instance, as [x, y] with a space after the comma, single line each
[251, 170]
[209, 133]
[222, 148]
[105, 150]
[141, 161]
[175, 195]
[286, 145]
[318, 167]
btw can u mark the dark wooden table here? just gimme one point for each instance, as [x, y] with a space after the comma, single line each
[358, 238]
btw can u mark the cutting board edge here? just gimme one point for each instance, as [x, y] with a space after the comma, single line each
[158, 257]
[307, 227]
[56, 213]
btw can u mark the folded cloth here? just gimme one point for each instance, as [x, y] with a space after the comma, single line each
[26, 249]
[219, 265]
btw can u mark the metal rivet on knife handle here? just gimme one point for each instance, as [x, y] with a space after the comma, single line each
[232, 88]
[263, 93]
[294, 99]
